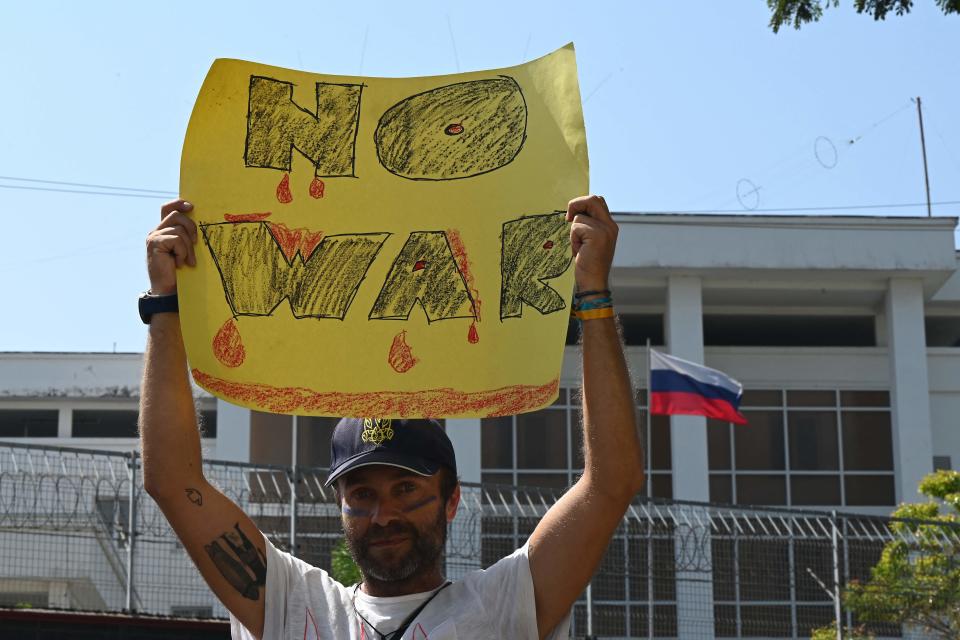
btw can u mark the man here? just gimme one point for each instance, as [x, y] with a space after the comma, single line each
[397, 495]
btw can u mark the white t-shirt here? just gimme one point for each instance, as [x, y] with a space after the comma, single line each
[305, 603]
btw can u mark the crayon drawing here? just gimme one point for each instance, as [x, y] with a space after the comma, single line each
[352, 230]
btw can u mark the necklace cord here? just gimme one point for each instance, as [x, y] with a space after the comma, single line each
[397, 633]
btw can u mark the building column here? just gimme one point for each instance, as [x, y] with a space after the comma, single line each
[463, 541]
[65, 422]
[688, 434]
[691, 478]
[910, 390]
[233, 432]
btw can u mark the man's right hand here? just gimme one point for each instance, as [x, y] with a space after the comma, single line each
[210, 526]
[170, 246]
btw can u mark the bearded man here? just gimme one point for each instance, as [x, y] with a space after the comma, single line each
[397, 488]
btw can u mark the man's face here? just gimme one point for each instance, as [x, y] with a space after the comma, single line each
[395, 521]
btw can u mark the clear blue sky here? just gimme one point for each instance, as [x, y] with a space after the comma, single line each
[682, 101]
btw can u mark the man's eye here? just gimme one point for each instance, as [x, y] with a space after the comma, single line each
[408, 487]
[362, 494]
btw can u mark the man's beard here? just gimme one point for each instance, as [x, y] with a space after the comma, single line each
[426, 548]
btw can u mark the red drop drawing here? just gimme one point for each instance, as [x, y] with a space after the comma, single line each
[401, 355]
[283, 190]
[228, 346]
[316, 188]
[472, 336]
[420, 265]
[548, 244]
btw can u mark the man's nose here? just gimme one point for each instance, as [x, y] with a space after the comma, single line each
[385, 512]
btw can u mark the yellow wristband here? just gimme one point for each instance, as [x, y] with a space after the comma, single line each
[594, 314]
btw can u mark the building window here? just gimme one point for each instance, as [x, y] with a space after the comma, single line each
[545, 448]
[805, 448]
[208, 423]
[720, 330]
[636, 329]
[28, 423]
[191, 611]
[104, 424]
[942, 331]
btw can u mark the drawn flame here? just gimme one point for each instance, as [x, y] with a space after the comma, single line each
[463, 263]
[293, 240]
[401, 355]
[228, 346]
[283, 190]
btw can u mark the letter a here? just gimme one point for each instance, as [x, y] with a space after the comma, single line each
[425, 271]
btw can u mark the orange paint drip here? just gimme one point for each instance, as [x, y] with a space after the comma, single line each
[401, 355]
[247, 217]
[293, 241]
[283, 190]
[463, 264]
[228, 346]
[316, 188]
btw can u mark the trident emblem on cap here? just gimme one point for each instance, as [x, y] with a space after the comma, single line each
[376, 430]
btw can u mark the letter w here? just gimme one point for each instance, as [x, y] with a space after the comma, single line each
[257, 276]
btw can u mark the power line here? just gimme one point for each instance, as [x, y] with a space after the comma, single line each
[784, 209]
[156, 194]
[84, 184]
[89, 193]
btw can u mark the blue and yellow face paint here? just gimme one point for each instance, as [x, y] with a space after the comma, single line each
[359, 512]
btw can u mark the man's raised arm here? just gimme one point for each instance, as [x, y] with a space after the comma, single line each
[569, 542]
[222, 541]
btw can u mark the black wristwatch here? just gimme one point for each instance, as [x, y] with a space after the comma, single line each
[149, 304]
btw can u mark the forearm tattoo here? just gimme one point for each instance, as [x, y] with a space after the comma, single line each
[194, 496]
[245, 569]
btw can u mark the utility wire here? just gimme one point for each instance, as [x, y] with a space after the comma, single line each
[828, 208]
[453, 44]
[879, 122]
[84, 184]
[115, 194]
[946, 146]
[155, 193]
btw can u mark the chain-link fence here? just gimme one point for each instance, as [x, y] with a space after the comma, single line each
[78, 532]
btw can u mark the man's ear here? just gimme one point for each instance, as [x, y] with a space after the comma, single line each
[452, 503]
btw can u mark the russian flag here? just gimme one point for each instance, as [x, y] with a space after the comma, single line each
[680, 387]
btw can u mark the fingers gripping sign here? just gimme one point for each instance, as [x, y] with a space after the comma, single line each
[593, 237]
[170, 246]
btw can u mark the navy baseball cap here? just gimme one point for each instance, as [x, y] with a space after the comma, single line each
[420, 446]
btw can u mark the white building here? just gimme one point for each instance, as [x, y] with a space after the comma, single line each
[844, 330]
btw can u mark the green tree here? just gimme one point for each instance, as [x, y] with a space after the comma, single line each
[830, 633]
[915, 583]
[800, 12]
[342, 567]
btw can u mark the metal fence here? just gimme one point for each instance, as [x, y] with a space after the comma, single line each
[78, 532]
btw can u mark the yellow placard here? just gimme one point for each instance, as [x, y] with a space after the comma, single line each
[389, 247]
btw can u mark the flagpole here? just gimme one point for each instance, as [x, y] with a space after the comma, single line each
[649, 436]
[649, 456]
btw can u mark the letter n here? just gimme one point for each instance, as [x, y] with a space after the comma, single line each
[534, 249]
[276, 126]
